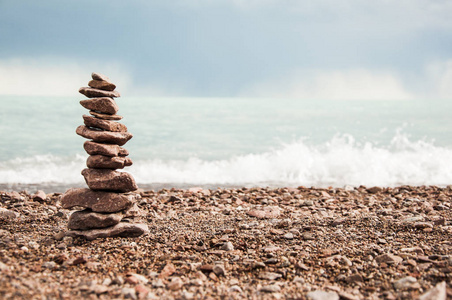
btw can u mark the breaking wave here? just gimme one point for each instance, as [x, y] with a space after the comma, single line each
[338, 162]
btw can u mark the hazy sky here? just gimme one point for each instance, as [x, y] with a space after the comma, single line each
[351, 49]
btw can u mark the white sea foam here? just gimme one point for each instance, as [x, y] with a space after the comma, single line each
[341, 161]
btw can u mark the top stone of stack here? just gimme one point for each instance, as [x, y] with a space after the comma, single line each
[100, 86]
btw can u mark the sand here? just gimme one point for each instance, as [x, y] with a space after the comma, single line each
[260, 243]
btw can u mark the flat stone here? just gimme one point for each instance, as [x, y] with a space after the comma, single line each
[109, 180]
[97, 201]
[87, 219]
[99, 76]
[105, 116]
[104, 124]
[8, 215]
[104, 105]
[322, 295]
[40, 195]
[101, 85]
[121, 229]
[94, 93]
[268, 212]
[439, 292]
[108, 162]
[93, 148]
[388, 259]
[118, 138]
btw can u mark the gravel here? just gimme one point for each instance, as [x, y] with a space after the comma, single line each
[257, 243]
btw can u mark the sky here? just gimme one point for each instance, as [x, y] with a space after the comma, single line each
[323, 49]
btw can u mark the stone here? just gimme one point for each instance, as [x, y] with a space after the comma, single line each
[95, 93]
[105, 116]
[167, 271]
[121, 229]
[439, 292]
[93, 148]
[39, 196]
[268, 212]
[407, 282]
[322, 295]
[87, 219]
[228, 246]
[105, 105]
[388, 259]
[108, 162]
[109, 180]
[101, 85]
[7, 215]
[118, 138]
[272, 288]
[104, 124]
[375, 190]
[269, 276]
[105, 202]
[99, 76]
[175, 284]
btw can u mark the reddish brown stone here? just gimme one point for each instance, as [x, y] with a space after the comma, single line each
[94, 93]
[104, 105]
[119, 230]
[123, 152]
[104, 124]
[93, 148]
[107, 162]
[81, 220]
[109, 180]
[99, 76]
[97, 201]
[102, 85]
[118, 138]
[105, 116]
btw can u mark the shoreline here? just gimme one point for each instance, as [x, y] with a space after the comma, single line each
[258, 243]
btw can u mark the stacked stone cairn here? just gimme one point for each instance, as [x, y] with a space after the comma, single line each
[109, 204]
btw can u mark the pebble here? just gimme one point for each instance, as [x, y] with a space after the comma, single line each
[322, 295]
[129, 293]
[272, 288]
[228, 246]
[388, 259]
[175, 284]
[236, 289]
[289, 236]
[8, 215]
[438, 292]
[268, 212]
[406, 283]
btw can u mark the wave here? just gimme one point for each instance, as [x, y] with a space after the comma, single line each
[338, 162]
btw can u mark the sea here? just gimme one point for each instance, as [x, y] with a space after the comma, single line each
[234, 142]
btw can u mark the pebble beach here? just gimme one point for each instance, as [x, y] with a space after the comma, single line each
[248, 243]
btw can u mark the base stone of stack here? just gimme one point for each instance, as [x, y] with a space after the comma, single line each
[97, 201]
[86, 219]
[118, 138]
[121, 229]
[109, 180]
[93, 148]
[95, 93]
[104, 105]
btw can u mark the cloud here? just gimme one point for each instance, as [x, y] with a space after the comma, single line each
[53, 76]
[440, 74]
[355, 84]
